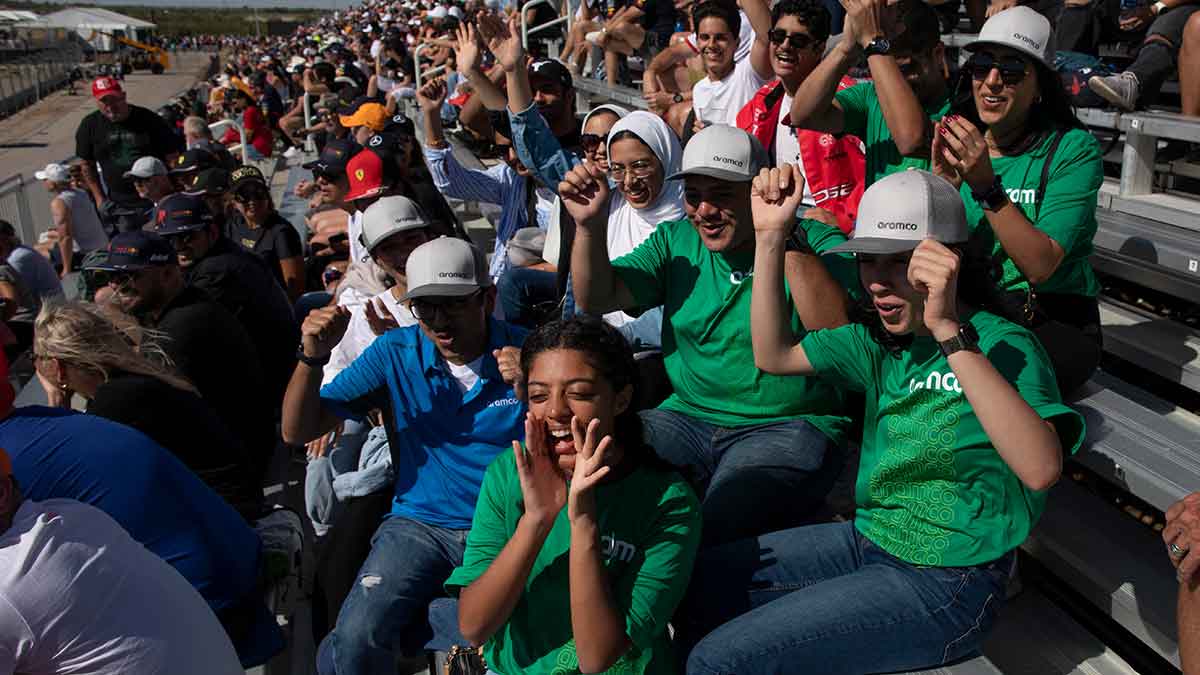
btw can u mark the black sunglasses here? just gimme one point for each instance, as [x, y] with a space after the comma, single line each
[797, 40]
[1012, 70]
[590, 142]
[181, 238]
[250, 196]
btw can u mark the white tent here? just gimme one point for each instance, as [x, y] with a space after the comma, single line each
[96, 25]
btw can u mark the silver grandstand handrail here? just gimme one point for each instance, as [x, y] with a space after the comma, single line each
[217, 127]
[526, 30]
[310, 145]
[417, 65]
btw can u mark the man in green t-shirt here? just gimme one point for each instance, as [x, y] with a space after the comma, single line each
[893, 113]
[762, 450]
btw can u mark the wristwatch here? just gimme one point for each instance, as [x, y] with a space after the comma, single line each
[798, 239]
[311, 361]
[994, 198]
[966, 340]
[678, 98]
[1159, 7]
[879, 45]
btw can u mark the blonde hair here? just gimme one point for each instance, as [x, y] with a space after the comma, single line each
[102, 341]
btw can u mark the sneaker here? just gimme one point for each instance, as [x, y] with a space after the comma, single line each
[291, 152]
[1120, 90]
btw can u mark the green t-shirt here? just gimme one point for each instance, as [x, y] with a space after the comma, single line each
[863, 117]
[931, 489]
[650, 531]
[706, 336]
[1067, 212]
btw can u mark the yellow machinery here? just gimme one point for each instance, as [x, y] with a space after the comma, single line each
[145, 56]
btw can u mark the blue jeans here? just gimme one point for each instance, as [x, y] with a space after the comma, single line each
[751, 479]
[823, 599]
[523, 292]
[386, 611]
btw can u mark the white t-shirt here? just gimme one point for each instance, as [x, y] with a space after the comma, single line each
[359, 335]
[358, 252]
[467, 374]
[745, 39]
[79, 595]
[787, 147]
[720, 102]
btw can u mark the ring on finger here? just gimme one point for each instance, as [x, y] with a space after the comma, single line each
[1176, 550]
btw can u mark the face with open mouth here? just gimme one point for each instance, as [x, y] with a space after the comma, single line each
[1007, 91]
[790, 63]
[885, 279]
[716, 42]
[563, 385]
[719, 210]
[636, 170]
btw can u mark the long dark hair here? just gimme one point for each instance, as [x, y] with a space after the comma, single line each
[1052, 112]
[977, 286]
[606, 350]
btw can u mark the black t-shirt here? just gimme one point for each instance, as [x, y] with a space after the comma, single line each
[276, 240]
[188, 427]
[210, 348]
[271, 104]
[241, 283]
[115, 146]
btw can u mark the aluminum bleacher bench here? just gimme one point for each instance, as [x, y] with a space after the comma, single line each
[1142, 131]
[626, 96]
[1152, 253]
[1165, 347]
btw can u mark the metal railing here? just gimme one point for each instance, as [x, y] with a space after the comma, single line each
[417, 73]
[33, 75]
[527, 30]
[218, 129]
[14, 207]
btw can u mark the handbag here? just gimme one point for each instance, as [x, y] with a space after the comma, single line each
[465, 661]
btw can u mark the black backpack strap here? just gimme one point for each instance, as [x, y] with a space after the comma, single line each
[1041, 193]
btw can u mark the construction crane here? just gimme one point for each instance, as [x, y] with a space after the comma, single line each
[147, 56]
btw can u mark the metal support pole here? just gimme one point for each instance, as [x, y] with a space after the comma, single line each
[526, 30]
[309, 144]
[1137, 162]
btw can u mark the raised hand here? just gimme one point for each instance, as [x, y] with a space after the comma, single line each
[543, 486]
[508, 361]
[933, 272]
[590, 468]
[585, 194]
[942, 161]
[997, 6]
[467, 56]
[322, 329]
[379, 318]
[866, 17]
[966, 150]
[774, 198]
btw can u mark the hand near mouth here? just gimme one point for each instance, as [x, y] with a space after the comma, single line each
[543, 486]
[590, 469]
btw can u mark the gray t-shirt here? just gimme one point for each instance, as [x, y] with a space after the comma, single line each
[36, 272]
[30, 303]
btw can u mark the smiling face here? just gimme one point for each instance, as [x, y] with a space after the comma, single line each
[1001, 104]
[457, 325]
[552, 101]
[392, 253]
[790, 64]
[717, 44]
[720, 212]
[598, 125]
[885, 278]
[637, 171]
[564, 384]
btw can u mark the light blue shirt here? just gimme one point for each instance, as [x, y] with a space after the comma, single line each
[36, 272]
[445, 438]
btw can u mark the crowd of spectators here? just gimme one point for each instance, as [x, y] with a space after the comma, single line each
[608, 443]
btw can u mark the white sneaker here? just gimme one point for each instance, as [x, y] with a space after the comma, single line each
[291, 152]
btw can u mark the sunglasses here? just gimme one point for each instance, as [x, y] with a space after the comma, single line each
[1012, 71]
[182, 238]
[590, 141]
[425, 310]
[250, 196]
[796, 40]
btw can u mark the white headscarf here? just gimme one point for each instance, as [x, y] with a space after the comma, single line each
[607, 107]
[629, 226]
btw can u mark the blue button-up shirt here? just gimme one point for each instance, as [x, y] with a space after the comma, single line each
[447, 437]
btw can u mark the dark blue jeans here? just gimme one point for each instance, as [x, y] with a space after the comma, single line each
[824, 600]
[752, 479]
[523, 292]
[387, 610]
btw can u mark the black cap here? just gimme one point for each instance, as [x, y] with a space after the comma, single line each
[553, 70]
[213, 181]
[334, 157]
[246, 175]
[400, 124]
[137, 250]
[196, 159]
[181, 213]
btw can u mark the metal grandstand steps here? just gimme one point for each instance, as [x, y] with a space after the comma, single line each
[627, 96]
[1162, 346]
[1139, 442]
[1117, 564]
[1148, 252]
[1178, 210]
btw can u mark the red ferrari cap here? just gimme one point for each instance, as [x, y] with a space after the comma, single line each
[103, 86]
[365, 172]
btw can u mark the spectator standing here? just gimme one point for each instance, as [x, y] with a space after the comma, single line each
[750, 442]
[893, 114]
[59, 556]
[1029, 173]
[75, 218]
[258, 228]
[111, 139]
[451, 414]
[79, 350]
[961, 408]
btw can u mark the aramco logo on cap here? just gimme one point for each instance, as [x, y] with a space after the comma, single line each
[1028, 40]
[895, 225]
[729, 160]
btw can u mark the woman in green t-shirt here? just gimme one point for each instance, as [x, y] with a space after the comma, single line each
[1029, 173]
[963, 431]
[588, 588]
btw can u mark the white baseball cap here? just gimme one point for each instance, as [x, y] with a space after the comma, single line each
[723, 152]
[146, 167]
[445, 266]
[56, 173]
[388, 216]
[1019, 28]
[898, 211]
[438, 12]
